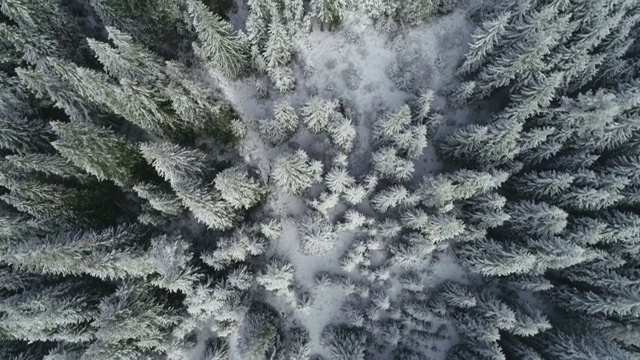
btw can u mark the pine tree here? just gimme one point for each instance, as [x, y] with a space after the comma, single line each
[317, 113]
[157, 24]
[257, 333]
[279, 45]
[170, 257]
[388, 163]
[277, 277]
[484, 41]
[222, 50]
[159, 198]
[100, 254]
[132, 315]
[52, 201]
[286, 117]
[49, 165]
[342, 132]
[23, 135]
[50, 313]
[99, 152]
[294, 172]
[390, 198]
[206, 203]
[235, 248]
[536, 219]
[338, 180]
[491, 258]
[175, 163]
[237, 188]
[329, 11]
[317, 235]
[344, 343]
[128, 60]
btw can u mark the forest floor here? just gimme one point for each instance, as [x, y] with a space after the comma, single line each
[376, 70]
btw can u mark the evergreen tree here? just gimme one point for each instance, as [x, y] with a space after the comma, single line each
[484, 41]
[221, 49]
[23, 135]
[237, 188]
[342, 132]
[50, 313]
[49, 165]
[159, 198]
[294, 173]
[132, 320]
[258, 332]
[317, 114]
[330, 12]
[173, 162]
[99, 152]
[110, 254]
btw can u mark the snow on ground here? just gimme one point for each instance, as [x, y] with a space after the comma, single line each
[376, 72]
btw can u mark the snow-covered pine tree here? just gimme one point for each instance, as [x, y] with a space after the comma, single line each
[342, 132]
[170, 257]
[286, 117]
[133, 319]
[160, 199]
[109, 254]
[99, 152]
[218, 46]
[173, 162]
[279, 45]
[49, 165]
[47, 201]
[278, 277]
[206, 203]
[159, 25]
[484, 41]
[294, 172]
[22, 135]
[235, 248]
[257, 332]
[330, 12]
[390, 198]
[238, 189]
[317, 114]
[50, 312]
[345, 343]
[317, 234]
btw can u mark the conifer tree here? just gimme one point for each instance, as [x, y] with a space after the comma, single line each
[170, 257]
[57, 312]
[235, 248]
[206, 203]
[317, 114]
[484, 41]
[221, 49]
[52, 201]
[99, 152]
[49, 165]
[132, 315]
[110, 254]
[23, 135]
[173, 162]
[159, 198]
[342, 132]
[294, 173]
[279, 45]
[329, 11]
[237, 188]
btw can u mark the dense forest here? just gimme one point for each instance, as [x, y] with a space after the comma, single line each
[323, 179]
